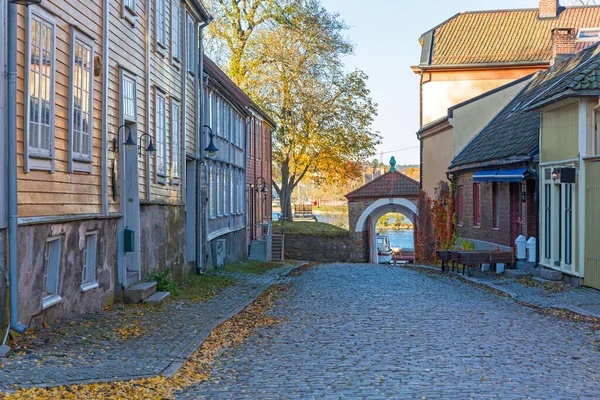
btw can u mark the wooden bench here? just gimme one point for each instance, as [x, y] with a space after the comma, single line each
[474, 258]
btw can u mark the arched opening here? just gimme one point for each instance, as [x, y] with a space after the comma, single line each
[369, 218]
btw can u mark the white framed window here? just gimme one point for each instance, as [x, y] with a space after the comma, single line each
[160, 135]
[231, 191]
[225, 190]
[588, 35]
[219, 198]
[240, 205]
[176, 31]
[51, 273]
[128, 97]
[39, 90]
[160, 25]
[88, 273]
[211, 197]
[191, 44]
[128, 10]
[175, 139]
[81, 100]
[219, 116]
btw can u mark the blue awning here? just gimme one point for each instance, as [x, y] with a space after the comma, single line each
[503, 175]
[485, 176]
[511, 175]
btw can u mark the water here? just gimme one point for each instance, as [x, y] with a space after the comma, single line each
[401, 239]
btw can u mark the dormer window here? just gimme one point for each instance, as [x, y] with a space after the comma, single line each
[589, 35]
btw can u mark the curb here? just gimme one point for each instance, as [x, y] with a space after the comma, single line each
[505, 292]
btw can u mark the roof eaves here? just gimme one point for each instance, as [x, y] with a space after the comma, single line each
[489, 163]
[432, 124]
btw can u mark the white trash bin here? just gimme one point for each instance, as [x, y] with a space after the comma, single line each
[521, 243]
[531, 249]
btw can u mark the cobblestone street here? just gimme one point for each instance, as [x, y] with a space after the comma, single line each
[358, 331]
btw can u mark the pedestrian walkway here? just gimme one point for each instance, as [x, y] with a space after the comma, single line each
[153, 341]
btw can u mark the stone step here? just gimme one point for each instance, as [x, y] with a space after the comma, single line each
[542, 281]
[139, 292]
[157, 298]
[551, 274]
[516, 273]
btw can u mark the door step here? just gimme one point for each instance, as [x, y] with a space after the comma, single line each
[548, 281]
[139, 292]
[516, 273]
[157, 298]
[551, 274]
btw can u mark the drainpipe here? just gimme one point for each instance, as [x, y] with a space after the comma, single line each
[15, 325]
[200, 242]
[105, 61]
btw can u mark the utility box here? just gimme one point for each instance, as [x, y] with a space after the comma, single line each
[531, 249]
[521, 243]
[220, 252]
[129, 240]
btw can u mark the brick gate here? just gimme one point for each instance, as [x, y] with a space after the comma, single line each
[391, 192]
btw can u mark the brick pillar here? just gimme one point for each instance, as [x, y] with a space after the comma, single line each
[549, 8]
[563, 44]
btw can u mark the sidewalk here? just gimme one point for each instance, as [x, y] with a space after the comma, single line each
[580, 300]
[130, 342]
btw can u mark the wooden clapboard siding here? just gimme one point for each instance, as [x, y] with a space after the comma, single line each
[62, 193]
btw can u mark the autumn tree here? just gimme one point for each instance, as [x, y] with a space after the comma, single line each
[291, 65]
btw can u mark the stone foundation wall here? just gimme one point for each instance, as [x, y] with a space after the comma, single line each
[235, 248]
[349, 248]
[162, 240]
[32, 268]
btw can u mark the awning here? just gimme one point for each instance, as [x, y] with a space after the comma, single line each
[485, 176]
[503, 175]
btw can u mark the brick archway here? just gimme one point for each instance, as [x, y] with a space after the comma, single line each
[391, 192]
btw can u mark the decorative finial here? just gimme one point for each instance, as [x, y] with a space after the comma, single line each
[393, 164]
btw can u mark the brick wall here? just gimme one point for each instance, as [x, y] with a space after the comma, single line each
[563, 42]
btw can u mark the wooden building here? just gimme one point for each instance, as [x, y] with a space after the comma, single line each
[97, 83]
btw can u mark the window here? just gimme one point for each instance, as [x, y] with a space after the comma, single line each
[589, 35]
[160, 120]
[128, 10]
[129, 98]
[191, 44]
[51, 273]
[231, 192]
[161, 26]
[81, 99]
[568, 224]
[495, 206]
[211, 185]
[219, 116]
[176, 31]
[39, 102]
[258, 140]
[476, 204]
[219, 198]
[88, 280]
[225, 191]
[175, 139]
[459, 205]
[547, 220]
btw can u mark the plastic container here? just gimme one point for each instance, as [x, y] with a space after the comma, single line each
[531, 249]
[521, 244]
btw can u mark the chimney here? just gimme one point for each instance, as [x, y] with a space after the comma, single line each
[549, 8]
[563, 44]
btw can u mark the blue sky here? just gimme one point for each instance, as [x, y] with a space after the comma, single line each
[386, 34]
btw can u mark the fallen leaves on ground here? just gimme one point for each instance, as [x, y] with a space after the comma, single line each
[196, 370]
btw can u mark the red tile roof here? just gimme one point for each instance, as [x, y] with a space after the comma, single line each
[506, 36]
[388, 185]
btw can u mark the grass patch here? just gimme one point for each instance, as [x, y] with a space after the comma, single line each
[253, 267]
[553, 288]
[330, 208]
[202, 287]
[528, 281]
[311, 229]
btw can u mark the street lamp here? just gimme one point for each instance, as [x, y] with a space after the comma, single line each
[211, 149]
[263, 189]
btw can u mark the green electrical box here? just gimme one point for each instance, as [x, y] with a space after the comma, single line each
[129, 240]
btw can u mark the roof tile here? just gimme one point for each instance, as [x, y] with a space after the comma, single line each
[388, 185]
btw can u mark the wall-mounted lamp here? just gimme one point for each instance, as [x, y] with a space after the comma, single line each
[25, 2]
[555, 174]
[149, 149]
[128, 142]
[523, 197]
[263, 188]
[211, 149]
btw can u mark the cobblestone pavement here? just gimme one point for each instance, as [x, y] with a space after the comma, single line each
[365, 331]
[583, 300]
[86, 349]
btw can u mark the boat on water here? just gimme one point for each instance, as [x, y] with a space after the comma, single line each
[384, 250]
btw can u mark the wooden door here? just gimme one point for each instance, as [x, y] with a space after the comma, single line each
[516, 210]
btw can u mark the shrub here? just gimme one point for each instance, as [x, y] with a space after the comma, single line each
[164, 280]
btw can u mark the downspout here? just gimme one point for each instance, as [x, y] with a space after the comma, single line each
[200, 233]
[105, 60]
[147, 115]
[15, 325]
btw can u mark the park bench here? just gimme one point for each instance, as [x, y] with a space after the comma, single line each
[473, 258]
[303, 211]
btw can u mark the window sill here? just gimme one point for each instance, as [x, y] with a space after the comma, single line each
[161, 179]
[176, 181]
[129, 15]
[160, 48]
[477, 226]
[88, 286]
[212, 218]
[460, 224]
[495, 229]
[50, 301]
[82, 166]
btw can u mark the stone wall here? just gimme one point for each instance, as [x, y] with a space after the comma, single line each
[235, 248]
[349, 248]
[162, 240]
[32, 268]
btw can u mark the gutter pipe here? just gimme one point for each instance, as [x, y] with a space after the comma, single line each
[200, 265]
[15, 325]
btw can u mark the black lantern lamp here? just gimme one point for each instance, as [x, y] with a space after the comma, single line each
[25, 2]
[263, 188]
[129, 142]
[555, 174]
[149, 149]
[211, 149]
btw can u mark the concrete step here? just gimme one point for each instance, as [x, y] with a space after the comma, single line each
[258, 250]
[516, 273]
[139, 292]
[551, 275]
[157, 298]
[542, 281]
